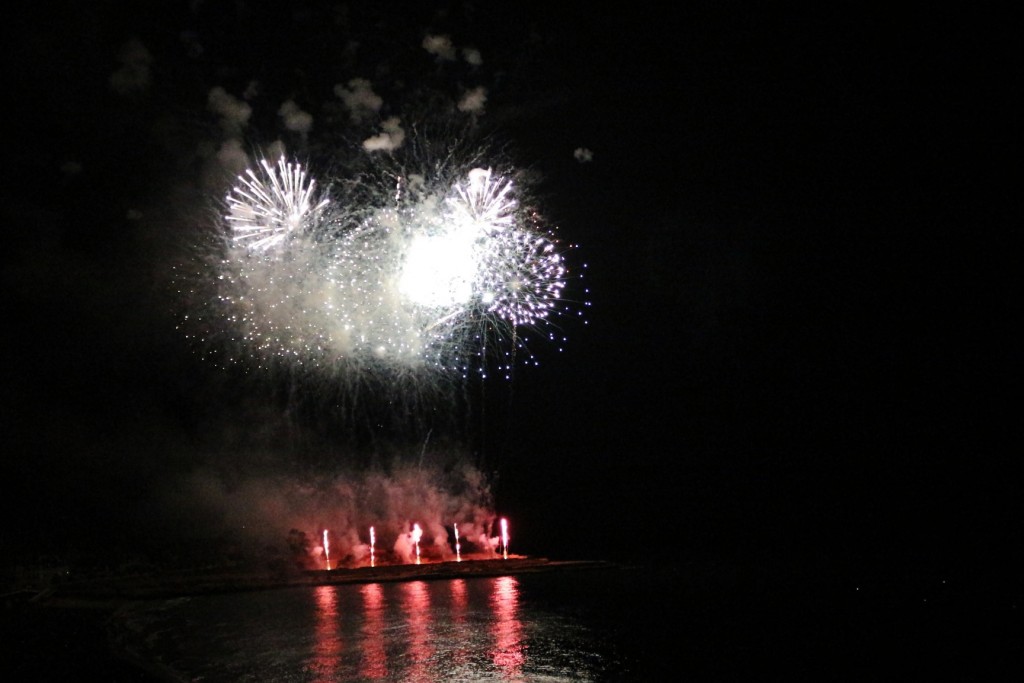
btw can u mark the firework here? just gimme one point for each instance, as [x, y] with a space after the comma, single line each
[269, 206]
[424, 277]
[417, 533]
[327, 550]
[484, 200]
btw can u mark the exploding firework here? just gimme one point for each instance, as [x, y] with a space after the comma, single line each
[427, 279]
[484, 201]
[269, 206]
[481, 261]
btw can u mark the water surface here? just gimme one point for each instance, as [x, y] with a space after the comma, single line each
[542, 627]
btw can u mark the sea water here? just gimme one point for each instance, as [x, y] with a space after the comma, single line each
[566, 625]
[661, 622]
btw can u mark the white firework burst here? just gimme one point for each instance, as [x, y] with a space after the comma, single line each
[517, 273]
[420, 282]
[268, 207]
[484, 201]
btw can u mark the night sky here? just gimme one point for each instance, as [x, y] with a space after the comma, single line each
[798, 353]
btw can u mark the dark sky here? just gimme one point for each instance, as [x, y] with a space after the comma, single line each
[799, 346]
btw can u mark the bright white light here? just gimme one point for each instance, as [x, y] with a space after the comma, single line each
[439, 270]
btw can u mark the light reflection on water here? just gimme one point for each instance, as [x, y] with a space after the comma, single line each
[418, 638]
[327, 654]
[373, 660]
[508, 648]
[459, 629]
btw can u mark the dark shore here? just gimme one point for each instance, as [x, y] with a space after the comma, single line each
[56, 639]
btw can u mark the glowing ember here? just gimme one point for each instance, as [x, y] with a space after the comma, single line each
[417, 532]
[458, 547]
[327, 550]
[504, 538]
[373, 543]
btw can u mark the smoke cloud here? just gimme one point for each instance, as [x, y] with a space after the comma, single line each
[234, 113]
[294, 118]
[583, 155]
[473, 101]
[360, 99]
[134, 74]
[391, 137]
[440, 46]
[275, 516]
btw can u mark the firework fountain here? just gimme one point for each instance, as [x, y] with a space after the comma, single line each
[504, 538]
[417, 534]
[327, 551]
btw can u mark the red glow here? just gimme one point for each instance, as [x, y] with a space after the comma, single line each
[462, 630]
[416, 601]
[374, 662]
[508, 652]
[458, 599]
[327, 651]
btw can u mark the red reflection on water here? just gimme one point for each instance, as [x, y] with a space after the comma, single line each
[416, 601]
[327, 650]
[461, 634]
[458, 600]
[374, 661]
[508, 653]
